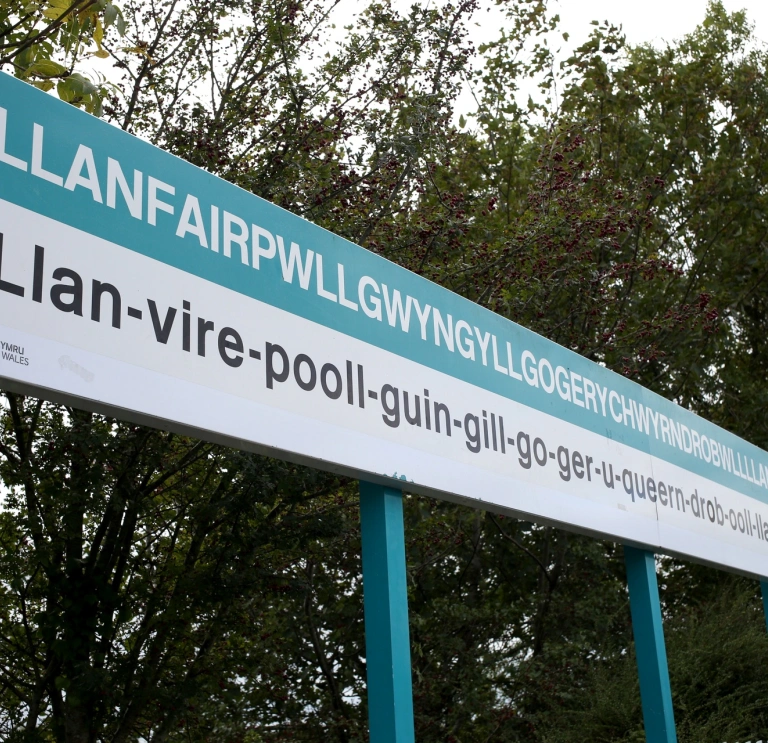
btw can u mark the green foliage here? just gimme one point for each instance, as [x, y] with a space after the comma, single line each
[45, 43]
[153, 586]
[718, 652]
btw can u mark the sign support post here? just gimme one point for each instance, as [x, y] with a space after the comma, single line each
[655, 690]
[764, 586]
[387, 641]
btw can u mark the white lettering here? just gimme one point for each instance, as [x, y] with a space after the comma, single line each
[549, 388]
[84, 156]
[192, 209]
[321, 291]
[466, 346]
[576, 380]
[483, 340]
[153, 203]
[589, 394]
[37, 158]
[512, 372]
[293, 261]
[615, 396]
[241, 237]
[395, 308]
[440, 328]
[498, 367]
[374, 309]
[423, 316]
[215, 229]
[4, 156]
[116, 178]
[343, 301]
[602, 393]
[531, 374]
[258, 252]
[563, 388]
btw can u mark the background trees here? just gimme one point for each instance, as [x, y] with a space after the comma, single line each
[160, 588]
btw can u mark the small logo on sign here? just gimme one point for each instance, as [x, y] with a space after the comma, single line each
[13, 353]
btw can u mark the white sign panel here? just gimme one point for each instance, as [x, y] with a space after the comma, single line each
[136, 284]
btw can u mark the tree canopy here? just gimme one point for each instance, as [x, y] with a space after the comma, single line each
[157, 588]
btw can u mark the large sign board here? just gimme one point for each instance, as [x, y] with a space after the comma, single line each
[136, 284]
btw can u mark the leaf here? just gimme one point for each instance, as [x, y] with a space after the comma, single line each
[98, 33]
[101, 54]
[64, 89]
[46, 68]
[81, 85]
[110, 15]
[462, 121]
[44, 85]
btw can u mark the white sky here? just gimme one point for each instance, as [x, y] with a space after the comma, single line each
[651, 20]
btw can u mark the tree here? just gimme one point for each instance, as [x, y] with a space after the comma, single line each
[156, 586]
[47, 43]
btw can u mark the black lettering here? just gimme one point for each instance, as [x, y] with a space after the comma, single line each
[162, 332]
[626, 481]
[303, 360]
[334, 393]
[472, 430]
[390, 401]
[98, 290]
[524, 447]
[414, 420]
[75, 290]
[695, 506]
[662, 494]
[37, 275]
[577, 463]
[272, 375]
[608, 477]
[350, 390]
[203, 327]
[679, 497]
[186, 330]
[441, 408]
[230, 340]
[7, 286]
[640, 486]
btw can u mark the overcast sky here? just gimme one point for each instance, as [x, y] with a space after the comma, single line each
[645, 21]
[651, 20]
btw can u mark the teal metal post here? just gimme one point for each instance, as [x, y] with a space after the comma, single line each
[387, 642]
[655, 691]
[764, 586]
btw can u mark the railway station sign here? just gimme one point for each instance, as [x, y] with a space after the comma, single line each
[138, 285]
